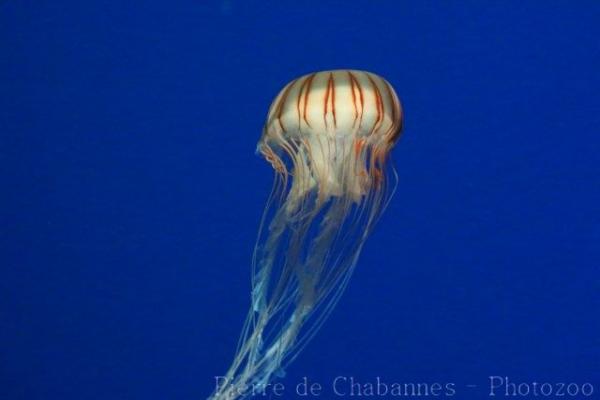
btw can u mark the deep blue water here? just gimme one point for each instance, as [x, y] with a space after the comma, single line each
[131, 193]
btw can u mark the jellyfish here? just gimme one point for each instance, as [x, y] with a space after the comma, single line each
[328, 137]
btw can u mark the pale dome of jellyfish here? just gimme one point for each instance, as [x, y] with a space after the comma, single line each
[328, 136]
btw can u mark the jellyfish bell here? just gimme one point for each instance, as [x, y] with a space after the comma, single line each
[328, 122]
[328, 136]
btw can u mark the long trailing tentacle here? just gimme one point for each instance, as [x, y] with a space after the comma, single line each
[305, 254]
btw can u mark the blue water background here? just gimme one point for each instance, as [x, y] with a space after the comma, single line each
[131, 193]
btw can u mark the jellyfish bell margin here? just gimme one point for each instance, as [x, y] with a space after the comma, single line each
[328, 136]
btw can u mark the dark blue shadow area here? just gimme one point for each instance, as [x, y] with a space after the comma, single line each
[131, 193]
